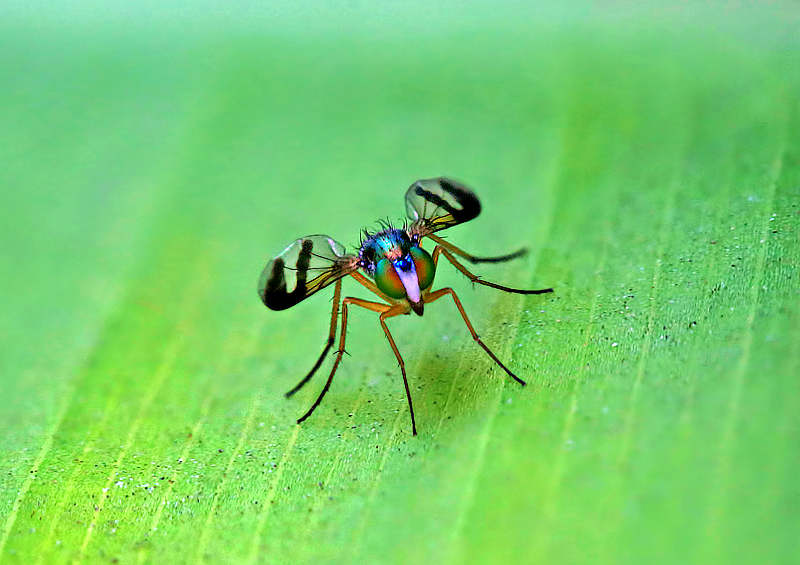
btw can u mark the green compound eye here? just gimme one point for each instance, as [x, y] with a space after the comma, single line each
[423, 263]
[388, 281]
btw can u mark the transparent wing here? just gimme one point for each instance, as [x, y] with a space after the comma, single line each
[306, 266]
[441, 203]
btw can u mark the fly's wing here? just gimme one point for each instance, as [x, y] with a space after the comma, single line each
[306, 266]
[441, 203]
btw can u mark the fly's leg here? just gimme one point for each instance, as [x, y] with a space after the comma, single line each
[375, 307]
[337, 293]
[430, 297]
[440, 249]
[396, 311]
[472, 258]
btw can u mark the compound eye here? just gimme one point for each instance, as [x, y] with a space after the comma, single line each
[423, 263]
[388, 281]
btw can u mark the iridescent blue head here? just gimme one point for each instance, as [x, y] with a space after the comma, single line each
[400, 267]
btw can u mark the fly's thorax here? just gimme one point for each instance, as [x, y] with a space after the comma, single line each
[391, 244]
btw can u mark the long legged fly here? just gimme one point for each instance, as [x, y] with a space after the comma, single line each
[391, 263]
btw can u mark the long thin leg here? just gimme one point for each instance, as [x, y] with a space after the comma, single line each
[472, 258]
[475, 278]
[337, 293]
[375, 307]
[396, 311]
[371, 286]
[430, 297]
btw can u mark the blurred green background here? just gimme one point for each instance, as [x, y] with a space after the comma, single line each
[153, 158]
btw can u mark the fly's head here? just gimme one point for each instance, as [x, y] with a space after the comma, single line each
[400, 267]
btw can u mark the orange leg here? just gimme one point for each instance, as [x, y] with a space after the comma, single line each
[430, 297]
[397, 310]
[440, 249]
[472, 258]
[371, 286]
[337, 293]
[375, 307]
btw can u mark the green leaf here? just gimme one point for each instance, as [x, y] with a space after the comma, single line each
[651, 167]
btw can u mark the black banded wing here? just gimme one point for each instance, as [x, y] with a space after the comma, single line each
[306, 266]
[441, 203]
